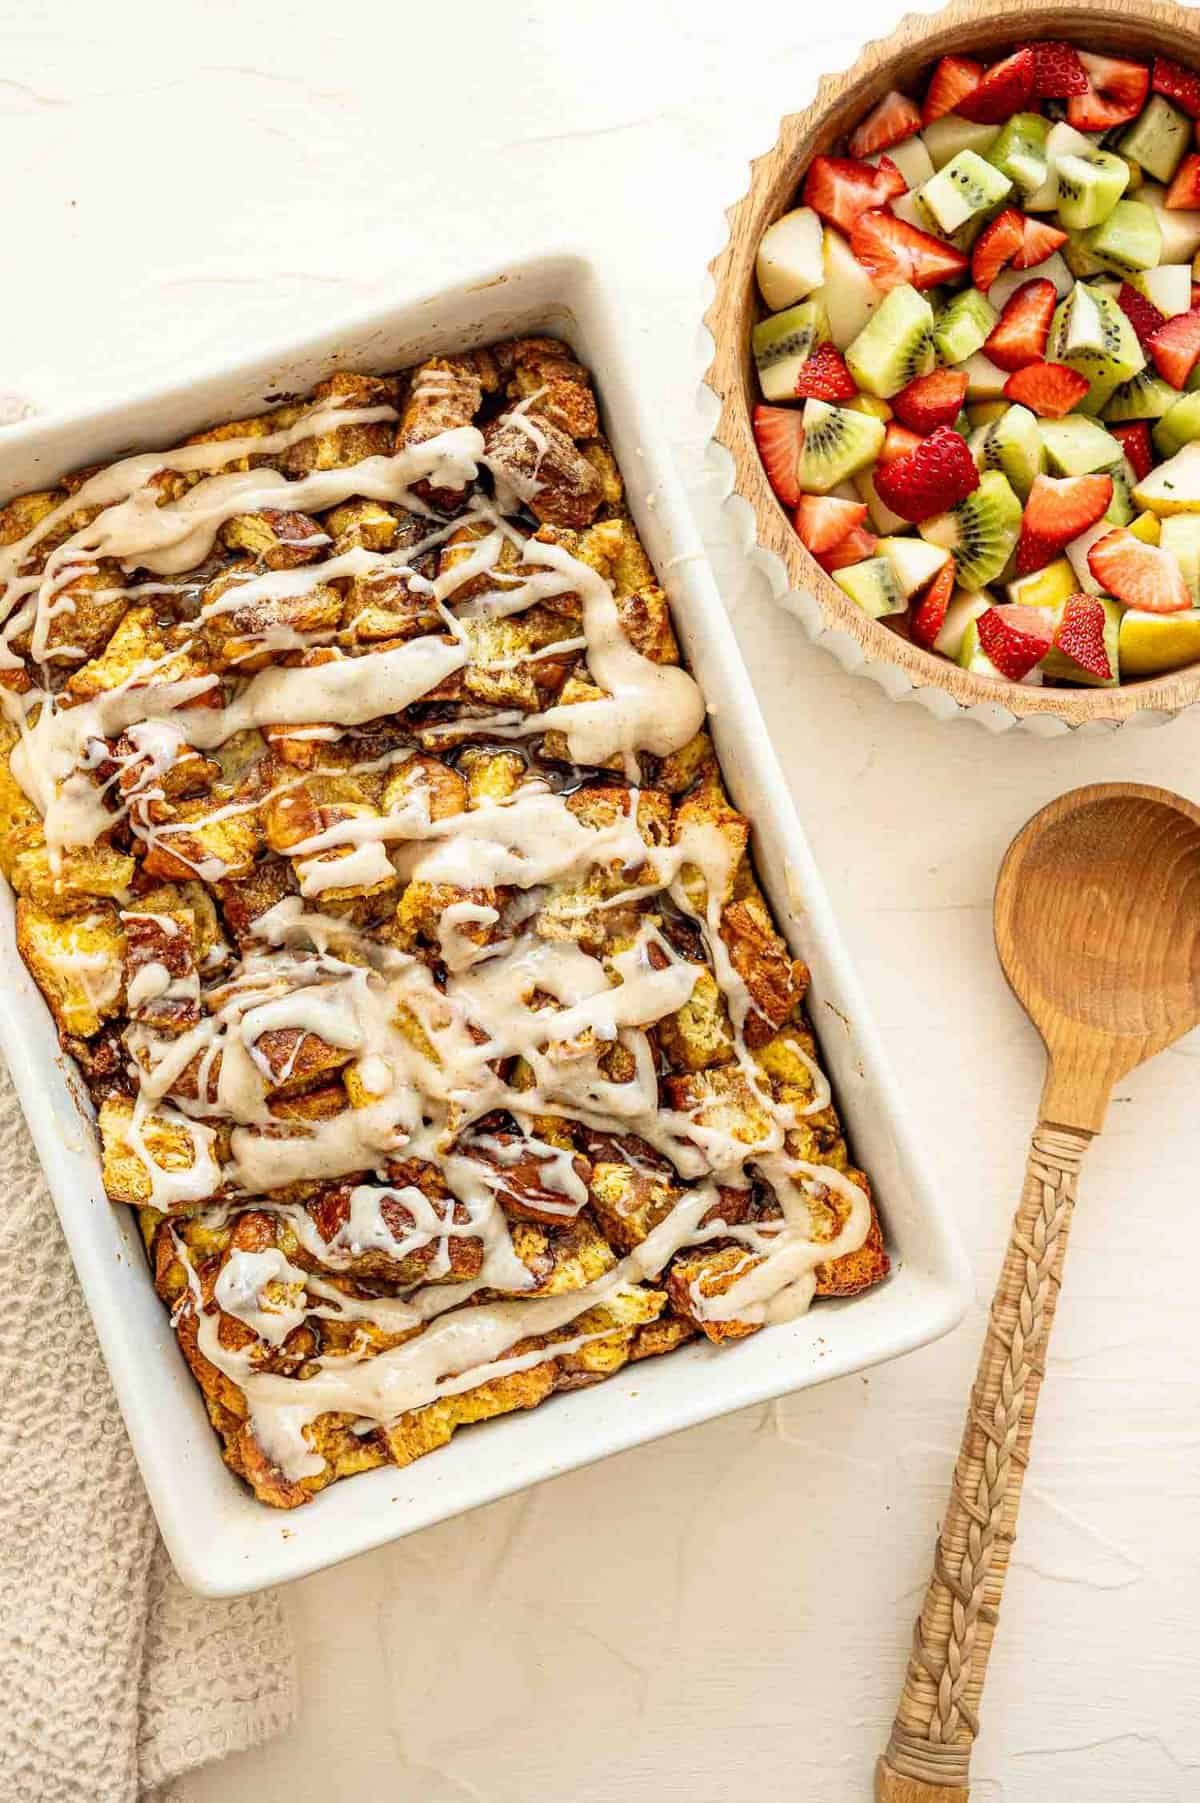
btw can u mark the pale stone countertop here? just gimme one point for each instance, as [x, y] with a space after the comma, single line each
[723, 1616]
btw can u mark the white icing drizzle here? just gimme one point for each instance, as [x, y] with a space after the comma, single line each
[431, 1055]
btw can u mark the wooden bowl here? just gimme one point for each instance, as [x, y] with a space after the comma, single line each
[978, 28]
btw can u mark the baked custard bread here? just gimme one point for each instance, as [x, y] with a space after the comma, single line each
[375, 864]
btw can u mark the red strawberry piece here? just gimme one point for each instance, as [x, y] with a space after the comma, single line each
[898, 441]
[1185, 189]
[779, 435]
[1175, 347]
[1006, 89]
[954, 78]
[1039, 240]
[929, 612]
[857, 545]
[824, 376]
[823, 521]
[1178, 84]
[1059, 508]
[931, 401]
[1138, 574]
[1134, 440]
[996, 245]
[1116, 91]
[840, 188]
[1024, 326]
[1049, 389]
[896, 117]
[938, 474]
[1079, 635]
[1057, 71]
[1015, 638]
[897, 252]
[1142, 314]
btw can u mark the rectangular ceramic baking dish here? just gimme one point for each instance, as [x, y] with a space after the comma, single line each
[222, 1541]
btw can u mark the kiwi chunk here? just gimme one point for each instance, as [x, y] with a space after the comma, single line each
[1076, 446]
[1011, 443]
[837, 441]
[895, 345]
[1157, 139]
[1144, 396]
[1020, 151]
[963, 326]
[783, 343]
[1178, 426]
[1128, 241]
[981, 531]
[1120, 509]
[872, 584]
[1091, 334]
[1090, 183]
[965, 187]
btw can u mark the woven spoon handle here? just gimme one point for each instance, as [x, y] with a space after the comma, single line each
[928, 1756]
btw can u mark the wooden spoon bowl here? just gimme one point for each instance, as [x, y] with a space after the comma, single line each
[1097, 918]
[974, 28]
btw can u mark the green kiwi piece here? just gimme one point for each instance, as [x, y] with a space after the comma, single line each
[965, 187]
[1144, 396]
[837, 441]
[1090, 183]
[895, 345]
[981, 531]
[963, 326]
[873, 585]
[1128, 241]
[1020, 151]
[1121, 509]
[1013, 445]
[782, 344]
[1157, 139]
[1178, 426]
[1091, 334]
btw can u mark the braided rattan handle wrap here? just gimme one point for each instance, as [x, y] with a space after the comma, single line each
[929, 1753]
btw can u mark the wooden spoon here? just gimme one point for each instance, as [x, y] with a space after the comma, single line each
[1097, 919]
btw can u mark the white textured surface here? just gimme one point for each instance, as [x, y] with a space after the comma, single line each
[725, 1614]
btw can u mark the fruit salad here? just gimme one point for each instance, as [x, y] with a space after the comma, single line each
[979, 363]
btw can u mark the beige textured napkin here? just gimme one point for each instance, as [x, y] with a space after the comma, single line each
[114, 1679]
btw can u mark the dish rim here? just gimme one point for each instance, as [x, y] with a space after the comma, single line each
[222, 1541]
[906, 670]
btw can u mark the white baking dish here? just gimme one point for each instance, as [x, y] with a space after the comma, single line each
[221, 1540]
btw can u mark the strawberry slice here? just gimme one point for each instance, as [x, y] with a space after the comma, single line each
[1134, 439]
[895, 252]
[1057, 71]
[779, 435]
[1024, 325]
[824, 376]
[857, 544]
[996, 245]
[1049, 389]
[1005, 89]
[1178, 84]
[929, 613]
[1059, 508]
[954, 78]
[1039, 240]
[1176, 346]
[1138, 574]
[1080, 635]
[822, 521]
[840, 188]
[931, 401]
[1185, 189]
[898, 441]
[938, 474]
[1015, 638]
[1116, 91]
[895, 118]
[1142, 314]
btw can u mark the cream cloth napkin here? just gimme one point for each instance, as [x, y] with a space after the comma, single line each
[114, 1679]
